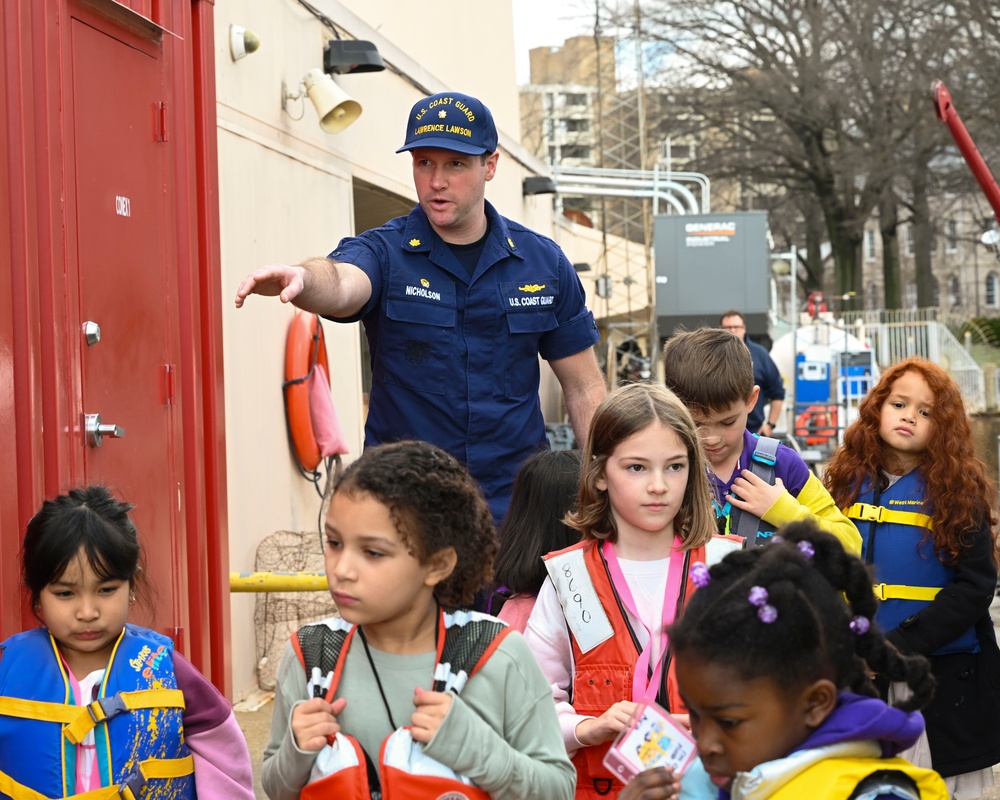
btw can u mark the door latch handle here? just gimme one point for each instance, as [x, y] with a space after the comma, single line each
[96, 431]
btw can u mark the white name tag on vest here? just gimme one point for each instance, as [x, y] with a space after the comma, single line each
[719, 547]
[581, 606]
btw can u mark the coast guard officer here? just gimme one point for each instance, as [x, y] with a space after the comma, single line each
[457, 302]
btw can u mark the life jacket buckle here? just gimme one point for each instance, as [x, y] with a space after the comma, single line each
[871, 513]
[105, 708]
[131, 787]
[879, 590]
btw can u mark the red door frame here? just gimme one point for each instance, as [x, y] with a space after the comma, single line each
[38, 373]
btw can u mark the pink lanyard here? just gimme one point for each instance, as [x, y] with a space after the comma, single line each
[643, 681]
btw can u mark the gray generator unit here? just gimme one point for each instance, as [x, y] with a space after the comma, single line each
[709, 263]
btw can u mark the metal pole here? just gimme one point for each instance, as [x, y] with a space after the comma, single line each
[795, 336]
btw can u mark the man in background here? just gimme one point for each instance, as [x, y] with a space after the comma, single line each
[765, 374]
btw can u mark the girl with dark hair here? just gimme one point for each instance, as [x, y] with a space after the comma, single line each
[926, 509]
[545, 489]
[407, 692]
[129, 710]
[774, 667]
[645, 513]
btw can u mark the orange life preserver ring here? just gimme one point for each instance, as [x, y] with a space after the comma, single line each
[305, 348]
[818, 424]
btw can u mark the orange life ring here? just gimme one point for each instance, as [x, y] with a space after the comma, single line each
[817, 424]
[305, 348]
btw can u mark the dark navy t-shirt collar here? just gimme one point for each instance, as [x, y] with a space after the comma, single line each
[419, 237]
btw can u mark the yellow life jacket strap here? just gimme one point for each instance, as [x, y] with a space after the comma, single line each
[129, 789]
[888, 591]
[79, 720]
[105, 708]
[869, 513]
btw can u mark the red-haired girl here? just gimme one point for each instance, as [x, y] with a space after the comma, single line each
[925, 506]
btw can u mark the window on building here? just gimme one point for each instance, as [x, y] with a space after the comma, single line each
[576, 151]
[871, 297]
[869, 244]
[575, 99]
[954, 291]
[553, 154]
[577, 125]
[910, 240]
[950, 236]
[910, 294]
[991, 290]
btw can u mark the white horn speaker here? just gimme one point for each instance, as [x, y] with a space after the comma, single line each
[336, 108]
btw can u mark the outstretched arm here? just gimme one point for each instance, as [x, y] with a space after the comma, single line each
[333, 289]
[583, 387]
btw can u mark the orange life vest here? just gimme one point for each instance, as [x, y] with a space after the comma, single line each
[603, 673]
[469, 639]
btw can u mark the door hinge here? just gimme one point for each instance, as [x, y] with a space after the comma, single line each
[169, 384]
[162, 131]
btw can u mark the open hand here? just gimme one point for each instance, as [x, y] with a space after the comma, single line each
[275, 279]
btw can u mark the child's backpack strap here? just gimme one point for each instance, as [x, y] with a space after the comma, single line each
[886, 782]
[765, 454]
[470, 638]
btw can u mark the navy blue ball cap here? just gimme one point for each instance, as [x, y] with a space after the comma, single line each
[451, 121]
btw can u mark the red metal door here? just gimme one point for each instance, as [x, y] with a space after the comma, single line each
[124, 220]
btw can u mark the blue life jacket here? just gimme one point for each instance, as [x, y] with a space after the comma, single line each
[137, 721]
[895, 535]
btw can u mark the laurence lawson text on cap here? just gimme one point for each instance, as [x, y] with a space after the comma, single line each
[451, 121]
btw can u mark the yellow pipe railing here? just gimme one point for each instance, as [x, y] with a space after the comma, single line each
[278, 582]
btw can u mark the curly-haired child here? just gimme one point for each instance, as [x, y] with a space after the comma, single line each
[774, 667]
[407, 691]
[925, 505]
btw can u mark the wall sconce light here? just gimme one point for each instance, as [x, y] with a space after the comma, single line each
[242, 42]
[336, 108]
[581, 266]
[538, 184]
[345, 56]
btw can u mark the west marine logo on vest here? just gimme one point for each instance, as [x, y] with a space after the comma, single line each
[423, 290]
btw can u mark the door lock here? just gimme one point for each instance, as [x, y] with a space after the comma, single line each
[96, 431]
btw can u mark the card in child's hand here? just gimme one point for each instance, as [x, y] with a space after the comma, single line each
[652, 739]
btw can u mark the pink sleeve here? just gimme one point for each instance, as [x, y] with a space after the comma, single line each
[222, 766]
[516, 610]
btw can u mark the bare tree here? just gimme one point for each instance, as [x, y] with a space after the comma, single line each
[828, 98]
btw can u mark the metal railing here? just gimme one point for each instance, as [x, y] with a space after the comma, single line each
[898, 334]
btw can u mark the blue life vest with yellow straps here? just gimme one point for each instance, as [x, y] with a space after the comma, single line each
[137, 722]
[895, 534]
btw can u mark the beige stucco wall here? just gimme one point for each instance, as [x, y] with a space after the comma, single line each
[285, 194]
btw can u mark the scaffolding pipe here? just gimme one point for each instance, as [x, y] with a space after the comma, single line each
[569, 186]
[634, 193]
[629, 176]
